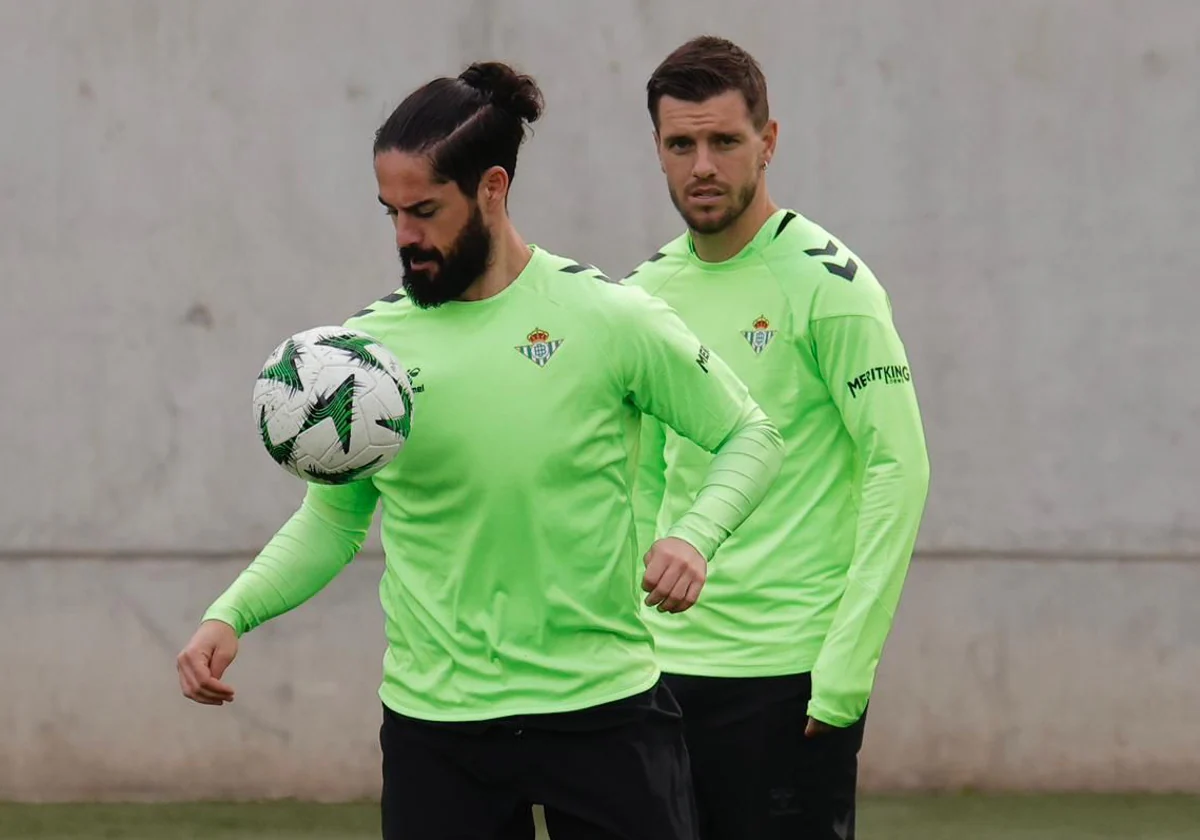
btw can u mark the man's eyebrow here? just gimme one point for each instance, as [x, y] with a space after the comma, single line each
[409, 208]
[732, 134]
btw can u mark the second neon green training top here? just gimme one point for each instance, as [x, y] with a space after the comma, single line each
[811, 581]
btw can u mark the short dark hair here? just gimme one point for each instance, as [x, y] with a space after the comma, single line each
[465, 125]
[705, 67]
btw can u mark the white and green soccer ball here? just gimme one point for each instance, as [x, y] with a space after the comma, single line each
[333, 405]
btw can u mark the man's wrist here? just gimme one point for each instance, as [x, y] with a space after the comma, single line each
[682, 531]
[224, 615]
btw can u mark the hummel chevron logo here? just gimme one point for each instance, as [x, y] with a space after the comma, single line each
[846, 272]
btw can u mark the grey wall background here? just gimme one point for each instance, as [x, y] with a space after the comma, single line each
[183, 184]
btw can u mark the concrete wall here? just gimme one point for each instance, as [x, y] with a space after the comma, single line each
[182, 184]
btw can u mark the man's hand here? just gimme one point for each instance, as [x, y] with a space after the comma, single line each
[815, 728]
[202, 663]
[675, 574]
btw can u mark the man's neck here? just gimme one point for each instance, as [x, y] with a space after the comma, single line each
[720, 246]
[510, 255]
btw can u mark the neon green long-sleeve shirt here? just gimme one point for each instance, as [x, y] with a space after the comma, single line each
[812, 580]
[512, 581]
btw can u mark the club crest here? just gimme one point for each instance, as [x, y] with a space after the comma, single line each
[540, 347]
[760, 335]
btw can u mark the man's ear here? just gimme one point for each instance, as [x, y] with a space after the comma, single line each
[770, 138]
[493, 188]
[658, 150]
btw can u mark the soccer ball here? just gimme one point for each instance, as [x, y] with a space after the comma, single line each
[333, 405]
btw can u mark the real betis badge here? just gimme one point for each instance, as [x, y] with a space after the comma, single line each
[540, 347]
[760, 336]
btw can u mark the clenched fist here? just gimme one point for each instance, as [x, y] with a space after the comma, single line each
[675, 574]
[203, 662]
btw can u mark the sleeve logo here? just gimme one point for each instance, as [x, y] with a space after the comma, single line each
[887, 374]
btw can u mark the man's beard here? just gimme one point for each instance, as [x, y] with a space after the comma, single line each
[463, 263]
[710, 224]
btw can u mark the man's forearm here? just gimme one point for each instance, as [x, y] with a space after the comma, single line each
[650, 482]
[300, 560]
[893, 500]
[742, 471]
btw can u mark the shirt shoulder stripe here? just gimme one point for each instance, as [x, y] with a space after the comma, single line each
[658, 255]
[394, 297]
[783, 223]
[580, 268]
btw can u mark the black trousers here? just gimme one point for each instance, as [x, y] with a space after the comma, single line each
[619, 771]
[756, 774]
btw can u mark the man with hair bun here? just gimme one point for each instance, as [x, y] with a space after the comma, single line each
[519, 667]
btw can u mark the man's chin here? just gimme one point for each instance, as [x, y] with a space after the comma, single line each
[708, 223]
[423, 291]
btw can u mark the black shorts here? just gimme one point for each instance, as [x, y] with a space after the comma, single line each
[619, 771]
[756, 774]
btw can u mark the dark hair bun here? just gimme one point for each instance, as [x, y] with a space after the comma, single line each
[506, 88]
